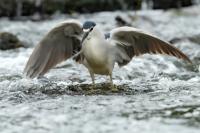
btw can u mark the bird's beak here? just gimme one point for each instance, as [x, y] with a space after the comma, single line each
[85, 34]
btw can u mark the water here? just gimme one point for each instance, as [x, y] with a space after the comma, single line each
[157, 93]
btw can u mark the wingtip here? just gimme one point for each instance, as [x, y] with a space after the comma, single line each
[189, 61]
[186, 58]
[25, 75]
[28, 74]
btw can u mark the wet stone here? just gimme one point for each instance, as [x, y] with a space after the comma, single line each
[9, 41]
[52, 89]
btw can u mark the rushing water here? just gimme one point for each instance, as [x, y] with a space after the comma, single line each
[157, 93]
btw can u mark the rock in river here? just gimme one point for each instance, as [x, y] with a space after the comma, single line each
[9, 41]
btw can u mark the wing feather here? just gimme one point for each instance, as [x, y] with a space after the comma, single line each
[58, 45]
[136, 42]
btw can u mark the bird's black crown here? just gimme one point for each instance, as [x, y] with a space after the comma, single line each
[89, 24]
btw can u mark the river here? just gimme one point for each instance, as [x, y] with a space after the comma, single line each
[157, 93]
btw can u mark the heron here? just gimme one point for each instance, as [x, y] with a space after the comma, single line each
[98, 52]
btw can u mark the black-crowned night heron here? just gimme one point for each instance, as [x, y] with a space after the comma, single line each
[96, 51]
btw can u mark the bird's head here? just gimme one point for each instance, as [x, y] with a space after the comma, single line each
[87, 28]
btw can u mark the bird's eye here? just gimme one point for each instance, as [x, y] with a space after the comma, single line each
[91, 29]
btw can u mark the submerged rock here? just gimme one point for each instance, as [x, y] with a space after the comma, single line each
[9, 41]
[53, 89]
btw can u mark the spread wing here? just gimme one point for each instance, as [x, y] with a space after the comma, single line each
[133, 42]
[59, 44]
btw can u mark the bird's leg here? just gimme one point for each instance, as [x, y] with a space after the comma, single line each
[93, 82]
[92, 77]
[113, 88]
[111, 81]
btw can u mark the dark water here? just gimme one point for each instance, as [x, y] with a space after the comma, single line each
[156, 93]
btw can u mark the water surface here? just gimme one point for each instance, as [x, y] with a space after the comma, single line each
[157, 93]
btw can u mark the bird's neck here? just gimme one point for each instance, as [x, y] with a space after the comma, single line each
[97, 33]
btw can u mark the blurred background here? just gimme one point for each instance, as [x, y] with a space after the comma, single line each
[19, 8]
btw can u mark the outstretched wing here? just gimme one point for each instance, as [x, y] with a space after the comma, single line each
[59, 44]
[133, 42]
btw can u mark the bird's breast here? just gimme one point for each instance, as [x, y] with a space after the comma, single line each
[95, 52]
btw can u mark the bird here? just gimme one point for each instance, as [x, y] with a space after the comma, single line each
[98, 52]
